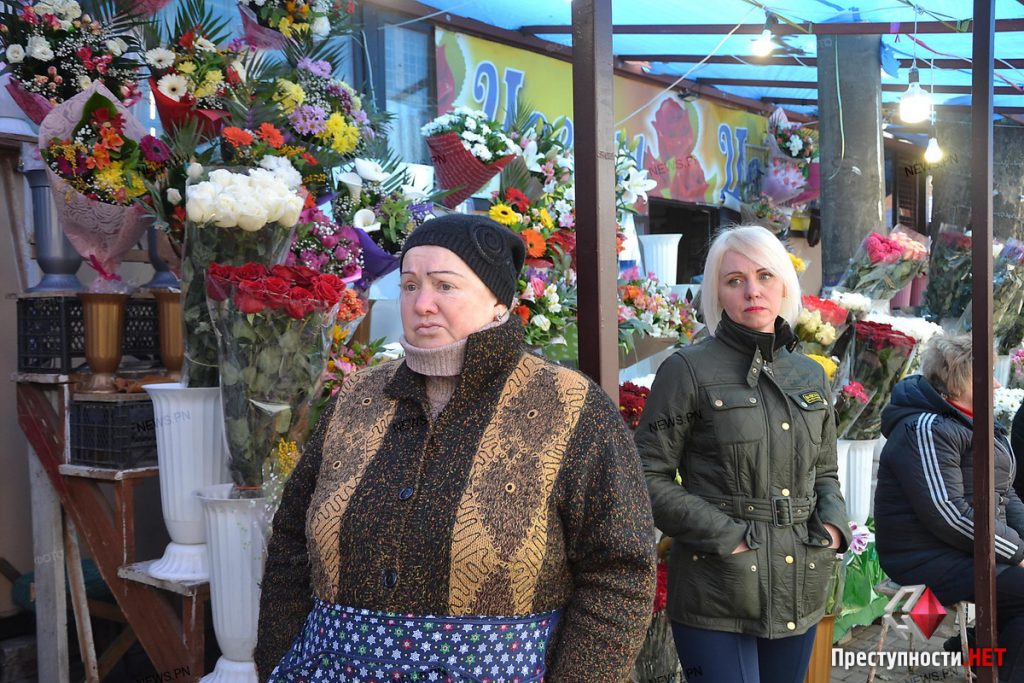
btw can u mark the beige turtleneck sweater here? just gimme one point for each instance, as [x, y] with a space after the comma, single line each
[441, 367]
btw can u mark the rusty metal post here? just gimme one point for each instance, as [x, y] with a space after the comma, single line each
[594, 143]
[981, 224]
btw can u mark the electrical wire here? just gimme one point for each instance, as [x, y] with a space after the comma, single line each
[682, 78]
[842, 127]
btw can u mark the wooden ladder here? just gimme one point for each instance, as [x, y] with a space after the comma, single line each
[175, 644]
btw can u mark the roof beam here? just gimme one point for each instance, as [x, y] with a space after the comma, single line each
[796, 101]
[813, 85]
[785, 29]
[805, 61]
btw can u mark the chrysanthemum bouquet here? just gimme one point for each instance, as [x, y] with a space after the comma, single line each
[479, 135]
[323, 111]
[53, 51]
[326, 247]
[1007, 403]
[192, 77]
[884, 265]
[649, 308]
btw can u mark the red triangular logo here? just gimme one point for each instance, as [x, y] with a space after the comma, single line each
[928, 613]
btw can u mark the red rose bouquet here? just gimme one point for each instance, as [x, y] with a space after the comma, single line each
[949, 274]
[273, 326]
[881, 358]
[884, 265]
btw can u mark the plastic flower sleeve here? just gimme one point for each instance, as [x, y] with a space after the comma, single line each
[102, 233]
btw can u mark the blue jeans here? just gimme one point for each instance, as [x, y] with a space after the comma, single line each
[720, 657]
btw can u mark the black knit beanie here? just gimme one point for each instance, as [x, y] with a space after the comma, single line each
[491, 250]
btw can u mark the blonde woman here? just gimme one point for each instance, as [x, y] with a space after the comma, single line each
[748, 425]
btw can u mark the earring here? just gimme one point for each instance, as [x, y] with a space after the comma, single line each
[501, 317]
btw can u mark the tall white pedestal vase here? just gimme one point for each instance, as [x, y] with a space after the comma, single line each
[661, 256]
[842, 465]
[860, 459]
[1001, 369]
[236, 529]
[192, 454]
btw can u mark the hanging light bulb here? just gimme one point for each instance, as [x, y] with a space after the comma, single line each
[765, 45]
[933, 153]
[916, 103]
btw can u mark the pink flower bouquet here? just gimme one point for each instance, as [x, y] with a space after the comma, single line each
[884, 265]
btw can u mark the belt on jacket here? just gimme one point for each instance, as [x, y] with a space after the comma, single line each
[777, 510]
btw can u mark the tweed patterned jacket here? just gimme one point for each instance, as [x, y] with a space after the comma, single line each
[525, 495]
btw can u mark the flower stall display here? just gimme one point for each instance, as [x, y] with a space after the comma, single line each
[881, 357]
[857, 304]
[1016, 374]
[98, 158]
[631, 185]
[545, 241]
[918, 329]
[54, 51]
[884, 265]
[233, 217]
[272, 23]
[193, 79]
[326, 247]
[546, 305]
[273, 328]
[949, 274]
[323, 112]
[467, 149]
[648, 308]
[821, 324]
[1007, 298]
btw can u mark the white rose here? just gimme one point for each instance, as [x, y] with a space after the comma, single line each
[15, 53]
[251, 214]
[225, 210]
[39, 48]
[541, 321]
[555, 308]
[173, 196]
[199, 202]
[84, 82]
[292, 208]
[195, 171]
[71, 10]
[321, 27]
[220, 177]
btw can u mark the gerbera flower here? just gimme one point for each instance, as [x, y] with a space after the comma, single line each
[517, 199]
[545, 220]
[154, 150]
[173, 86]
[237, 137]
[270, 135]
[535, 244]
[160, 58]
[504, 214]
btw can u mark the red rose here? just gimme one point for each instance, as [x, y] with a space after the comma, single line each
[250, 271]
[326, 289]
[303, 276]
[249, 297]
[299, 303]
[275, 291]
[218, 281]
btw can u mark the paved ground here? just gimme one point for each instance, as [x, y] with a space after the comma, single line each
[865, 638]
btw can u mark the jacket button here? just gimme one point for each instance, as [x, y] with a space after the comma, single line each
[824, 541]
[803, 404]
[750, 508]
[785, 492]
[790, 625]
[754, 371]
[718, 403]
[723, 505]
[390, 578]
[789, 559]
[785, 426]
[406, 493]
[753, 567]
[810, 566]
[752, 400]
[695, 558]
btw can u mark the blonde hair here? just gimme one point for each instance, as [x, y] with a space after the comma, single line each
[946, 363]
[764, 249]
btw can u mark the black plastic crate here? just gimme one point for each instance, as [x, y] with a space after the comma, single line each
[51, 333]
[115, 434]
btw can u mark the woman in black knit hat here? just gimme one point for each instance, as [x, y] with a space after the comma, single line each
[493, 500]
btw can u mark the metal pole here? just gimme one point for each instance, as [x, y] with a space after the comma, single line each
[981, 306]
[594, 139]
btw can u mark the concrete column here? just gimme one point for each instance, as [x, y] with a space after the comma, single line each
[852, 171]
[951, 177]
